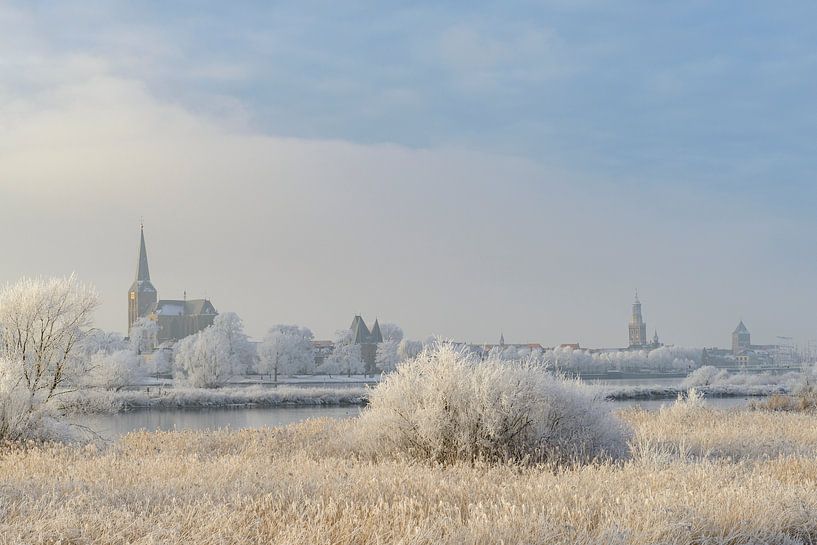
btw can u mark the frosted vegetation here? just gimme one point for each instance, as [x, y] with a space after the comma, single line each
[449, 406]
[42, 322]
[568, 359]
[287, 349]
[694, 475]
[180, 397]
[501, 404]
[211, 357]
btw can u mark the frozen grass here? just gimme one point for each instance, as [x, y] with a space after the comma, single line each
[627, 393]
[697, 476]
[100, 401]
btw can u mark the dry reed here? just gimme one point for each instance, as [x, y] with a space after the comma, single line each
[696, 476]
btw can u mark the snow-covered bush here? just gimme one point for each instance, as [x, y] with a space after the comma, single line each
[448, 406]
[705, 376]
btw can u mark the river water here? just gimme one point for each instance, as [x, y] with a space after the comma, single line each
[112, 426]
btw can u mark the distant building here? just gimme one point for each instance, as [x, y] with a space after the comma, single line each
[638, 328]
[741, 339]
[142, 295]
[745, 355]
[368, 341]
[176, 318]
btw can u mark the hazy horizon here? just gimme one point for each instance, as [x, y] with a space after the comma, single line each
[459, 171]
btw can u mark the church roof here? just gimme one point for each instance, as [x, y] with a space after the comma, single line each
[185, 307]
[360, 333]
[741, 328]
[376, 336]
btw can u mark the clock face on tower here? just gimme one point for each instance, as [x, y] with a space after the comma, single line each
[132, 295]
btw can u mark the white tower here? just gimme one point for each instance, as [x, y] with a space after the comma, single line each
[638, 328]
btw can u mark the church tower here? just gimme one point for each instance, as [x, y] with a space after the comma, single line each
[638, 329]
[741, 339]
[142, 295]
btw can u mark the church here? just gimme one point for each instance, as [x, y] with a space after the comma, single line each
[175, 318]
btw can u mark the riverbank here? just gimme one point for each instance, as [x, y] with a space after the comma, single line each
[100, 401]
[696, 476]
[168, 397]
[643, 393]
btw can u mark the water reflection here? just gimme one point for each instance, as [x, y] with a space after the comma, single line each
[112, 426]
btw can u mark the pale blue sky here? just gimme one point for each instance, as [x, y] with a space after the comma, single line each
[586, 148]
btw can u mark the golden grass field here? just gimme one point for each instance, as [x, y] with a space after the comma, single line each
[696, 476]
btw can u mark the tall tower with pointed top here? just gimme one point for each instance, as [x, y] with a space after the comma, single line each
[638, 328]
[741, 339]
[142, 295]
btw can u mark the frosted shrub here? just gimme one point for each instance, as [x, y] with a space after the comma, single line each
[705, 376]
[447, 406]
[113, 371]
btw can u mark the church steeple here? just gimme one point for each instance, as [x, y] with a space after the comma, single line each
[142, 295]
[142, 269]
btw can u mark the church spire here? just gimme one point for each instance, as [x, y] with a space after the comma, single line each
[142, 270]
[142, 295]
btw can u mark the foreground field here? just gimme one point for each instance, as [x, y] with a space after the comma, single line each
[696, 476]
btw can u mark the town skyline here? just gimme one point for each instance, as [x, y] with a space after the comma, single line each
[140, 266]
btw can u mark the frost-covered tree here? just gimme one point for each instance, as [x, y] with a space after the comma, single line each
[158, 363]
[387, 358]
[231, 328]
[345, 358]
[113, 371]
[408, 349]
[203, 360]
[391, 332]
[108, 361]
[98, 340]
[42, 323]
[286, 350]
[143, 334]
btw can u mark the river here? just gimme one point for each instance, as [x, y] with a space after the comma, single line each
[113, 426]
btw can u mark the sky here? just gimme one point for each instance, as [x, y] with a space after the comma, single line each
[463, 169]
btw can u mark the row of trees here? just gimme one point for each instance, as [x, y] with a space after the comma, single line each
[211, 357]
[665, 358]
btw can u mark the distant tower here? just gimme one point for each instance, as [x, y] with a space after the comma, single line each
[501, 339]
[142, 295]
[741, 340]
[638, 329]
